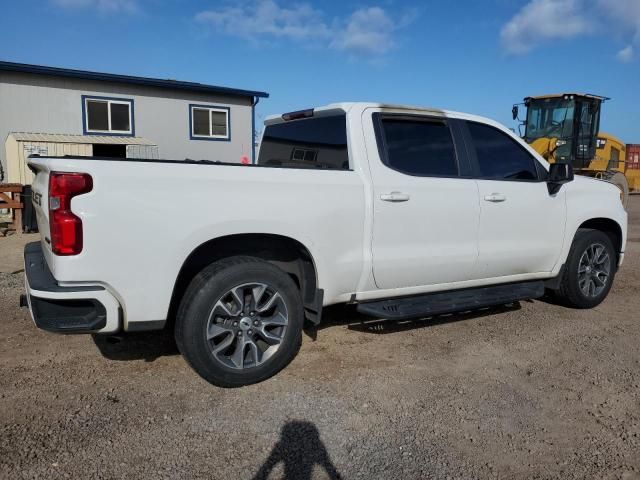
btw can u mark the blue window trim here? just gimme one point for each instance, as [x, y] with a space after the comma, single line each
[253, 130]
[85, 131]
[210, 107]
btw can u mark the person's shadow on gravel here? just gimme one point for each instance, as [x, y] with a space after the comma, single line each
[300, 449]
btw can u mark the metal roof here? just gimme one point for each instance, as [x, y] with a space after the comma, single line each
[561, 95]
[65, 138]
[128, 79]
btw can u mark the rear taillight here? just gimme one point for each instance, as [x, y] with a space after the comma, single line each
[65, 227]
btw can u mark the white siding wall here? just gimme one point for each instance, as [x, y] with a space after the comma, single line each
[44, 104]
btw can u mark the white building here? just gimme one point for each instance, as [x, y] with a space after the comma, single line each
[101, 114]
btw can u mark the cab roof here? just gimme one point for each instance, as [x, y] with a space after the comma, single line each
[333, 108]
[347, 106]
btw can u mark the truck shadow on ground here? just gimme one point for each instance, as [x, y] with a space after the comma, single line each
[299, 449]
[147, 346]
[150, 346]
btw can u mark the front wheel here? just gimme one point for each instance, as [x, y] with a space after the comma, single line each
[240, 322]
[589, 270]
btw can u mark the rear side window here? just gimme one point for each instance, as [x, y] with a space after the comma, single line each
[500, 157]
[319, 142]
[419, 147]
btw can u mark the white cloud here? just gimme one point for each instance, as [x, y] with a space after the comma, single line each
[367, 31]
[544, 21]
[626, 11]
[104, 6]
[626, 15]
[266, 17]
[626, 54]
[541, 21]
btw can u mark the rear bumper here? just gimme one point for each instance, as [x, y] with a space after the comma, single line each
[78, 309]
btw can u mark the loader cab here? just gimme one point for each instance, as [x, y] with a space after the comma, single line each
[564, 128]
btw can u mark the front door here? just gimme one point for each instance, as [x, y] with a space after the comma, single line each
[425, 215]
[521, 224]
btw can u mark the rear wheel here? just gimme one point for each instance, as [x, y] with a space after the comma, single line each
[589, 270]
[240, 322]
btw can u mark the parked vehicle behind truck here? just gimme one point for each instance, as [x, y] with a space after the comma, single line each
[404, 211]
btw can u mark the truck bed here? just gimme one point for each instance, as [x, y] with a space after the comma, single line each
[143, 218]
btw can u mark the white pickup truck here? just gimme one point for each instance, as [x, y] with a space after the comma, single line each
[404, 211]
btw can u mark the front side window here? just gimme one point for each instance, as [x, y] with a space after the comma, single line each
[499, 156]
[419, 146]
[209, 123]
[317, 142]
[106, 115]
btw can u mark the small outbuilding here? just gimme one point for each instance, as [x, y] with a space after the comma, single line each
[20, 145]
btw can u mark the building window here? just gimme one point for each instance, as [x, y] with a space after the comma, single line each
[108, 115]
[209, 123]
[301, 154]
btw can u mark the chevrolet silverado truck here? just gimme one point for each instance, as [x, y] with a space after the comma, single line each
[406, 212]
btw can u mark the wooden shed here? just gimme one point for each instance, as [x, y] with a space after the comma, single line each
[20, 145]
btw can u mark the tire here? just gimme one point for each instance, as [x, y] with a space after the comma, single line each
[620, 181]
[231, 326]
[579, 271]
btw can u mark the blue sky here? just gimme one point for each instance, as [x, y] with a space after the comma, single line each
[477, 56]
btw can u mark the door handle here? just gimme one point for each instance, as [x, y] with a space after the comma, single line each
[394, 197]
[496, 197]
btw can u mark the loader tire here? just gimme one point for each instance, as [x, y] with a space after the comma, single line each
[620, 181]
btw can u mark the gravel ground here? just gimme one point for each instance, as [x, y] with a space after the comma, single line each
[11, 251]
[531, 391]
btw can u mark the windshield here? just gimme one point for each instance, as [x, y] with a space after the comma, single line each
[549, 117]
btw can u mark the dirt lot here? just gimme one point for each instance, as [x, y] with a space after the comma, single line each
[533, 391]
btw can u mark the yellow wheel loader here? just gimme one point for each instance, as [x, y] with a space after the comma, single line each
[565, 128]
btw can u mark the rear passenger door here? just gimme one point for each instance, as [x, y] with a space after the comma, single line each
[425, 203]
[521, 225]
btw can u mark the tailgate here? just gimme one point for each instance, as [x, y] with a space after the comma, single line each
[40, 196]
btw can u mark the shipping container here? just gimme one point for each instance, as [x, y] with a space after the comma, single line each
[633, 156]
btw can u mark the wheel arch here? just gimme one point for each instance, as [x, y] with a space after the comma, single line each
[608, 226]
[284, 252]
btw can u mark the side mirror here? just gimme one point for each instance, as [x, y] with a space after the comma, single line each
[514, 112]
[559, 174]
